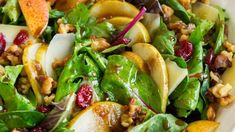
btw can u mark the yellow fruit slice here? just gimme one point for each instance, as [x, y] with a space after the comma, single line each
[66, 5]
[112, 8]
[175, 75]
[138, 33]
[36, 14]
[229, 75]
[100, 117]
[157, 67]
[137, 60]
[203, 126]
[29, 67]
[41, 56]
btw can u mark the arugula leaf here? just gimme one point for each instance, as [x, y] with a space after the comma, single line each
[55, 14]
[12, 10]
[161, 123]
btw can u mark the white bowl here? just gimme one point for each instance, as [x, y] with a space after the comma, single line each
[226, 115]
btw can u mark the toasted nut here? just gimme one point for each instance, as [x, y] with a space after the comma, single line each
[65, 28]
[186, 4]
[215, 77]
[183, 37]
[126, 120]
[47, 84]
[178, 25]
[23, 85]
[226, 100]
[220, 90]
[229, 55]
[99, 44]
[12, 55]
[49, 99]
[211, 113]
[229, 46]
[60, 63]
[205, 1]
[168, 11]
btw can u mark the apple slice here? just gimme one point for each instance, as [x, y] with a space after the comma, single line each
[108, 8]
[29, 67]
[36, 14]
[10, 32]
[138, 33]
[175, 75]
[102, 117]
[203, 126]
[66, 5]
[60, 46]
[157, 67]
[41, 56]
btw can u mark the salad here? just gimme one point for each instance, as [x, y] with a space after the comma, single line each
[113, 65]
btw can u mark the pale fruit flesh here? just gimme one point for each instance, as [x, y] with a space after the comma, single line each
[229, 76]
[41, 56]
[157, 67]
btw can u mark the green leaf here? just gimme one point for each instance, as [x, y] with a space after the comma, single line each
[55, 14]
[11, 74]
[179, 89]
[161, 123]
[3, 127]
[178, 60]
[21, 119]
[12, 10]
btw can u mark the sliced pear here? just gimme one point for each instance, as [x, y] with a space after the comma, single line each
[203, 126]
[137, 34]
[175, 75]
[66, 5]
[137, 60]
[41, 56]
[229, 75]
[10, 32]
[36, 14]
[112, 8]
[157, 67]
[100, 117]
[29, 67]
[60, 46]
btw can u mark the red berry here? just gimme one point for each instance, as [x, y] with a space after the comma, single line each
[44, 108]
[2, 43]
[21, 37]
[210, 57]
[185, 50]
[84, 96]
[38, 129]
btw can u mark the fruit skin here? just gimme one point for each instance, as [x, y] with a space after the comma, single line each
[203, 126]
[66, 5]
[101, 116]
[40, 56]
[29, 67]
[157, 67]
[138, 33]
[107, 8]
[229, 75]
[137, 60]
[36, 14]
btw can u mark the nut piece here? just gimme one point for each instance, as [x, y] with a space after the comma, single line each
[65, 28]
[99, 44]
[49, 99]
[211, 112]
[168, 11]
[229, 46]
[205, 1]
[215, 77]
[23, 85]
[60, 63]
[226, 100]
[185, 3]
[220, 90]
[47, 84]
[229, 55]
[12, 55]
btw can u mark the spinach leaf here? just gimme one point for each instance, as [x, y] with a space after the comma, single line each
[188, 100]
[179, 10]
[178, 60]
[179, 89]
[122, 81]
[3, 127]
[164, 40]
[21, 119]
[161, 123]
[55, 14]
[12, 10]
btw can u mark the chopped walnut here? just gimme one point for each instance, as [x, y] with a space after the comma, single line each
[49, 99]
[185, 3]
[99, 44]
[47, 84]
[211, 112]
[222, 62]
[60, 63]
[133, 114]
[15, 130]
[23, 85]
[215, 77]
[13, 56]
[177, 26]
[168, 11]
[220, 90]
[205, 1]
[2, 70]
[65, 28]
[226, 100]
[229, 46]
[229, 55]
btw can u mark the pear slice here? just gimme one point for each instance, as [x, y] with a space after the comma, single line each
[60, 46]
[229, 75]
[66, 5]
[100, 117]
[157, 67]
[36, 14]
[203, 126]
[112, 8]
[41, 56]
[10, 32]
[175, 75]
[29, 67]
[138, 33]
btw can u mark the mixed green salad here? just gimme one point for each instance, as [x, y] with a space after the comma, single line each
[113, 65]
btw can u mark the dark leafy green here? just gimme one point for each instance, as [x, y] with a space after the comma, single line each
[11, 10]
[220, 26]
[3, 127]
[178, 60]
[55, 14]
[179, 89]
[122, 81]
[21, 119]
[164, 39]
[161, 123]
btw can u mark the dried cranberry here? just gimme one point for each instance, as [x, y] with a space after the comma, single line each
[44, 108]
[38, 129]
[21, 37]
[185, 49]
[84, 96]
[210, 57]
[2, 43]
[121, 41]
